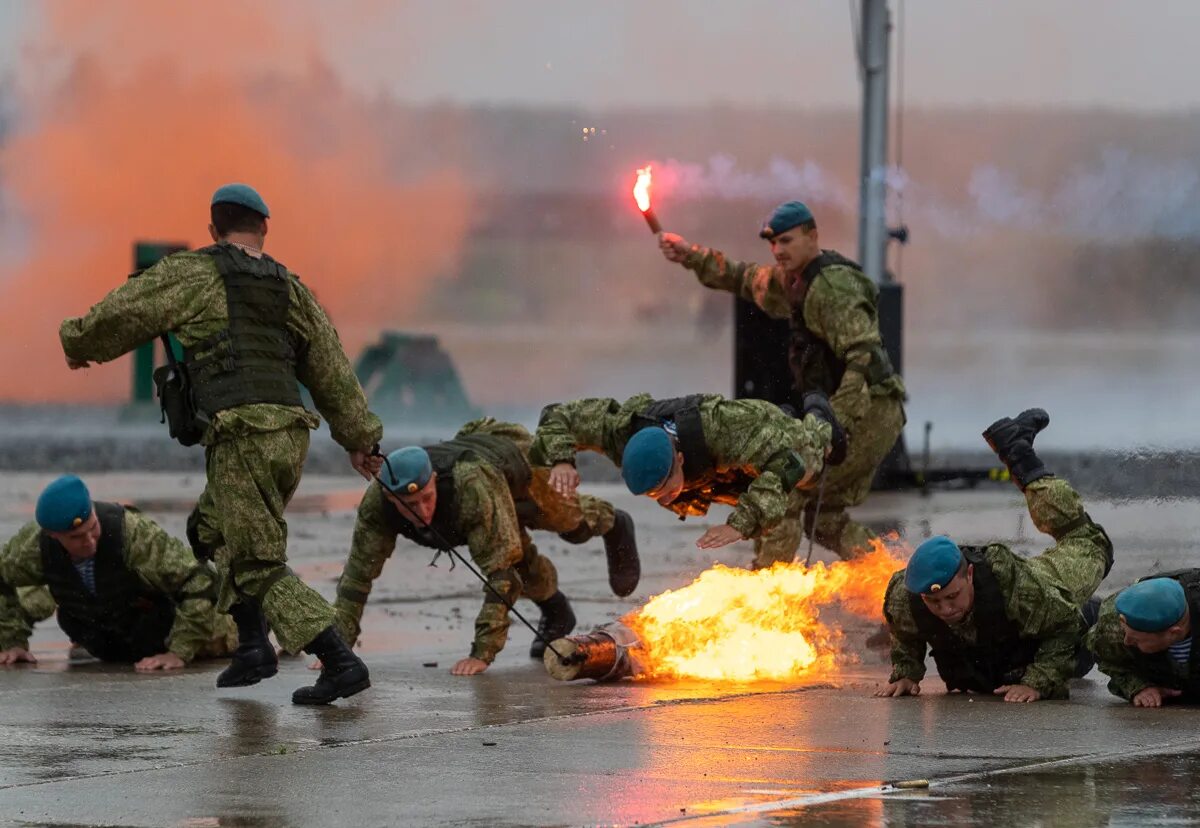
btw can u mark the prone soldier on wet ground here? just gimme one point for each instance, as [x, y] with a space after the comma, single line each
[997, 622]
[250, 331]
[690, 452]
[478, 490]
[124, 590]
[835, 348]
[1145, 640]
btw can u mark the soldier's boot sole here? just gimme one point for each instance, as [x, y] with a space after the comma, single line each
[1007, 430]
[621, 550]
[247, 677]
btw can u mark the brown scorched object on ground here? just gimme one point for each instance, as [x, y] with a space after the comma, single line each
[607, 653]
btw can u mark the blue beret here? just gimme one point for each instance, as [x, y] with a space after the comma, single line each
[1152, 605]
[242, 194]
[647, 460]
[63, 505]
[786, 216]
[407, 470]
[933, 565]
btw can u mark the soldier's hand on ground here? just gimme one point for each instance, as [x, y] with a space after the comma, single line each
[365, 463]
[468, 667]
[564, 479]
[1017, 693]
[674, 247]
[719, 536]
[316, 665]
[1154, 696]
[76, 364]
[162, 661]
[898, 688]
[15, 654]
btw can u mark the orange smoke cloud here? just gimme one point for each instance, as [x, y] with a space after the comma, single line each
[158, 105]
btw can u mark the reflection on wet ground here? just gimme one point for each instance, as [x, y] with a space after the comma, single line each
[1154, 791]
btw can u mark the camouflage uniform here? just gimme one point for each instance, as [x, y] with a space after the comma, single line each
[162, 563]
[839, 311]
[36, 602]
[496, 530]
[750, 439]
[1130, 672]
[254, 453]
[1042, 595]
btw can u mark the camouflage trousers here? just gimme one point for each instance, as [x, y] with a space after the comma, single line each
[1082, 554]
[846, 485]
[251, 479]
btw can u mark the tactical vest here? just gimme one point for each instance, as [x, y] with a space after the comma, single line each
[998, 656]
[254, 359]
[445, 528]
[123, 620]
[703, 483]
[1158, 668]
[813, 363]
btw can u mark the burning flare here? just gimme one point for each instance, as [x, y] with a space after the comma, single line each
[739, 625]
[641, 194]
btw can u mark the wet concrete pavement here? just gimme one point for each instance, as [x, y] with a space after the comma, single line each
[90, 744]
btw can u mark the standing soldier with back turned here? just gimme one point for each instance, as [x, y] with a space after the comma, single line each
[249, 330]
[835, 348]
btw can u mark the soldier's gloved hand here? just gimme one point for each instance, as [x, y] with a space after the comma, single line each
[675, 247]
[817, 404]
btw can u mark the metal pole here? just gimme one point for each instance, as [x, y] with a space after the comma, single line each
[872, 221]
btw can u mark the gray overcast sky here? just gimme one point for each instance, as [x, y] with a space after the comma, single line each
[1115, 53]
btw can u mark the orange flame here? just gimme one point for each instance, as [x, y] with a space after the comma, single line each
[739, 625]
[641, 189]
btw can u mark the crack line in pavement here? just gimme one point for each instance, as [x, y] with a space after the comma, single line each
[873, 791]
[420, 735]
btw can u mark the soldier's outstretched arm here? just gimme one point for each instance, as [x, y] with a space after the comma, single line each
[599, 424]
[325, 370]
[155, 302]
[907, 646]
[371, 545]
[494, 541]
[20, 566]
[167, 565]
[761, 284]
[1106, 640]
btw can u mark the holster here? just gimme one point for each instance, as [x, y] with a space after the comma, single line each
[185, 422]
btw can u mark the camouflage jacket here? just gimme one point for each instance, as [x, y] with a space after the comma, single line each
[487, 516]
[160, 561]
[835, 309]
[1126, 679]
[185, 294]
[750, 436]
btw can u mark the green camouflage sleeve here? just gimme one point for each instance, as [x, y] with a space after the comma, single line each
[837, 311]
[168, 565]
[325, 371]
[371, 545]
[20, 566]
[761, 284]
[597, 424]
[908, 647]
[487, 512]
[755, 436]
[1043, 613]
[37, 602]
[161, 299]
[1106, 640]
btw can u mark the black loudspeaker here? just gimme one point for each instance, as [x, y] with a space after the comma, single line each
[760, 365]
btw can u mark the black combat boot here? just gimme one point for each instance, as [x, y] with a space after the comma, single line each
[1012, 440]
[342, 672]
[620, 546]
[558, 619]
[254, 659]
